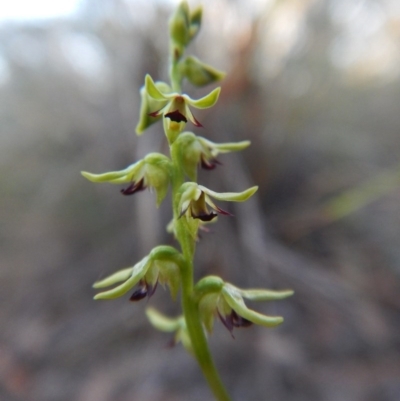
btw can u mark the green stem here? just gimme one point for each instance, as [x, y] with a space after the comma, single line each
[189, 304]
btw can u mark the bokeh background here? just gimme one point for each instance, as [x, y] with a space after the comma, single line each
[315, 85]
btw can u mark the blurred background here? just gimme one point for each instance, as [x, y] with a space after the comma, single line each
[315, 85]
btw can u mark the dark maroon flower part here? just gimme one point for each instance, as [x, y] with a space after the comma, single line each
[134, 187]
[234, 320]
[209, 164]
[176, 116]
[143, 290]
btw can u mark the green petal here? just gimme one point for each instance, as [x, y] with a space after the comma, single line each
[117, 277]
[162, 322]
[116, 177]
[105, 177]
[138, 271]
[230, 196]
[231, 146]
[265, 295]
[145, 120]
[206, 101]
[152, 89]
[235, 301]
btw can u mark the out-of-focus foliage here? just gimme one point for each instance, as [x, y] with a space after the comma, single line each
[315, 85]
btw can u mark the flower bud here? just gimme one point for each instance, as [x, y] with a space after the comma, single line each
[198, 73]
[179, 25]
[195, 21]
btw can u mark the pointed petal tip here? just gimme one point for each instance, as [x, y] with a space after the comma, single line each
[87, 175]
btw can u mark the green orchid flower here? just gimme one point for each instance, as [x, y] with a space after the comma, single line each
[194, 199]
[196, 150]
[152, 171]
[175, 106]
[160, 266]
[217, 297]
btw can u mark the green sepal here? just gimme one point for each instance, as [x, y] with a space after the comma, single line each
[206, 101]
[149, 105]
[199, 73]
[169, 325]
[265, 295]
[152, 90]
[162, 322]
[138, 272]
[235, 301]
[116, 177]
[224, 147]
[230, 196]
[117, 277]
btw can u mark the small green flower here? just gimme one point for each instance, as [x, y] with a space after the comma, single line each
[194, 199]
[160, 266]
[152, 171]
[196, 150]
[175, 106]
[217, 297]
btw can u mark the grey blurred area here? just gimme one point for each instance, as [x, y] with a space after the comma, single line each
[315, 85]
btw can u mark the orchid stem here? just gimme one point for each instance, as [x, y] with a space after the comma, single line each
[189, 304]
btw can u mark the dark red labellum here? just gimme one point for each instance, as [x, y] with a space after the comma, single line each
[176, 116]
[208, 164]
[205, 216]
[134, 187]
[138, 294]
[239, 321]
